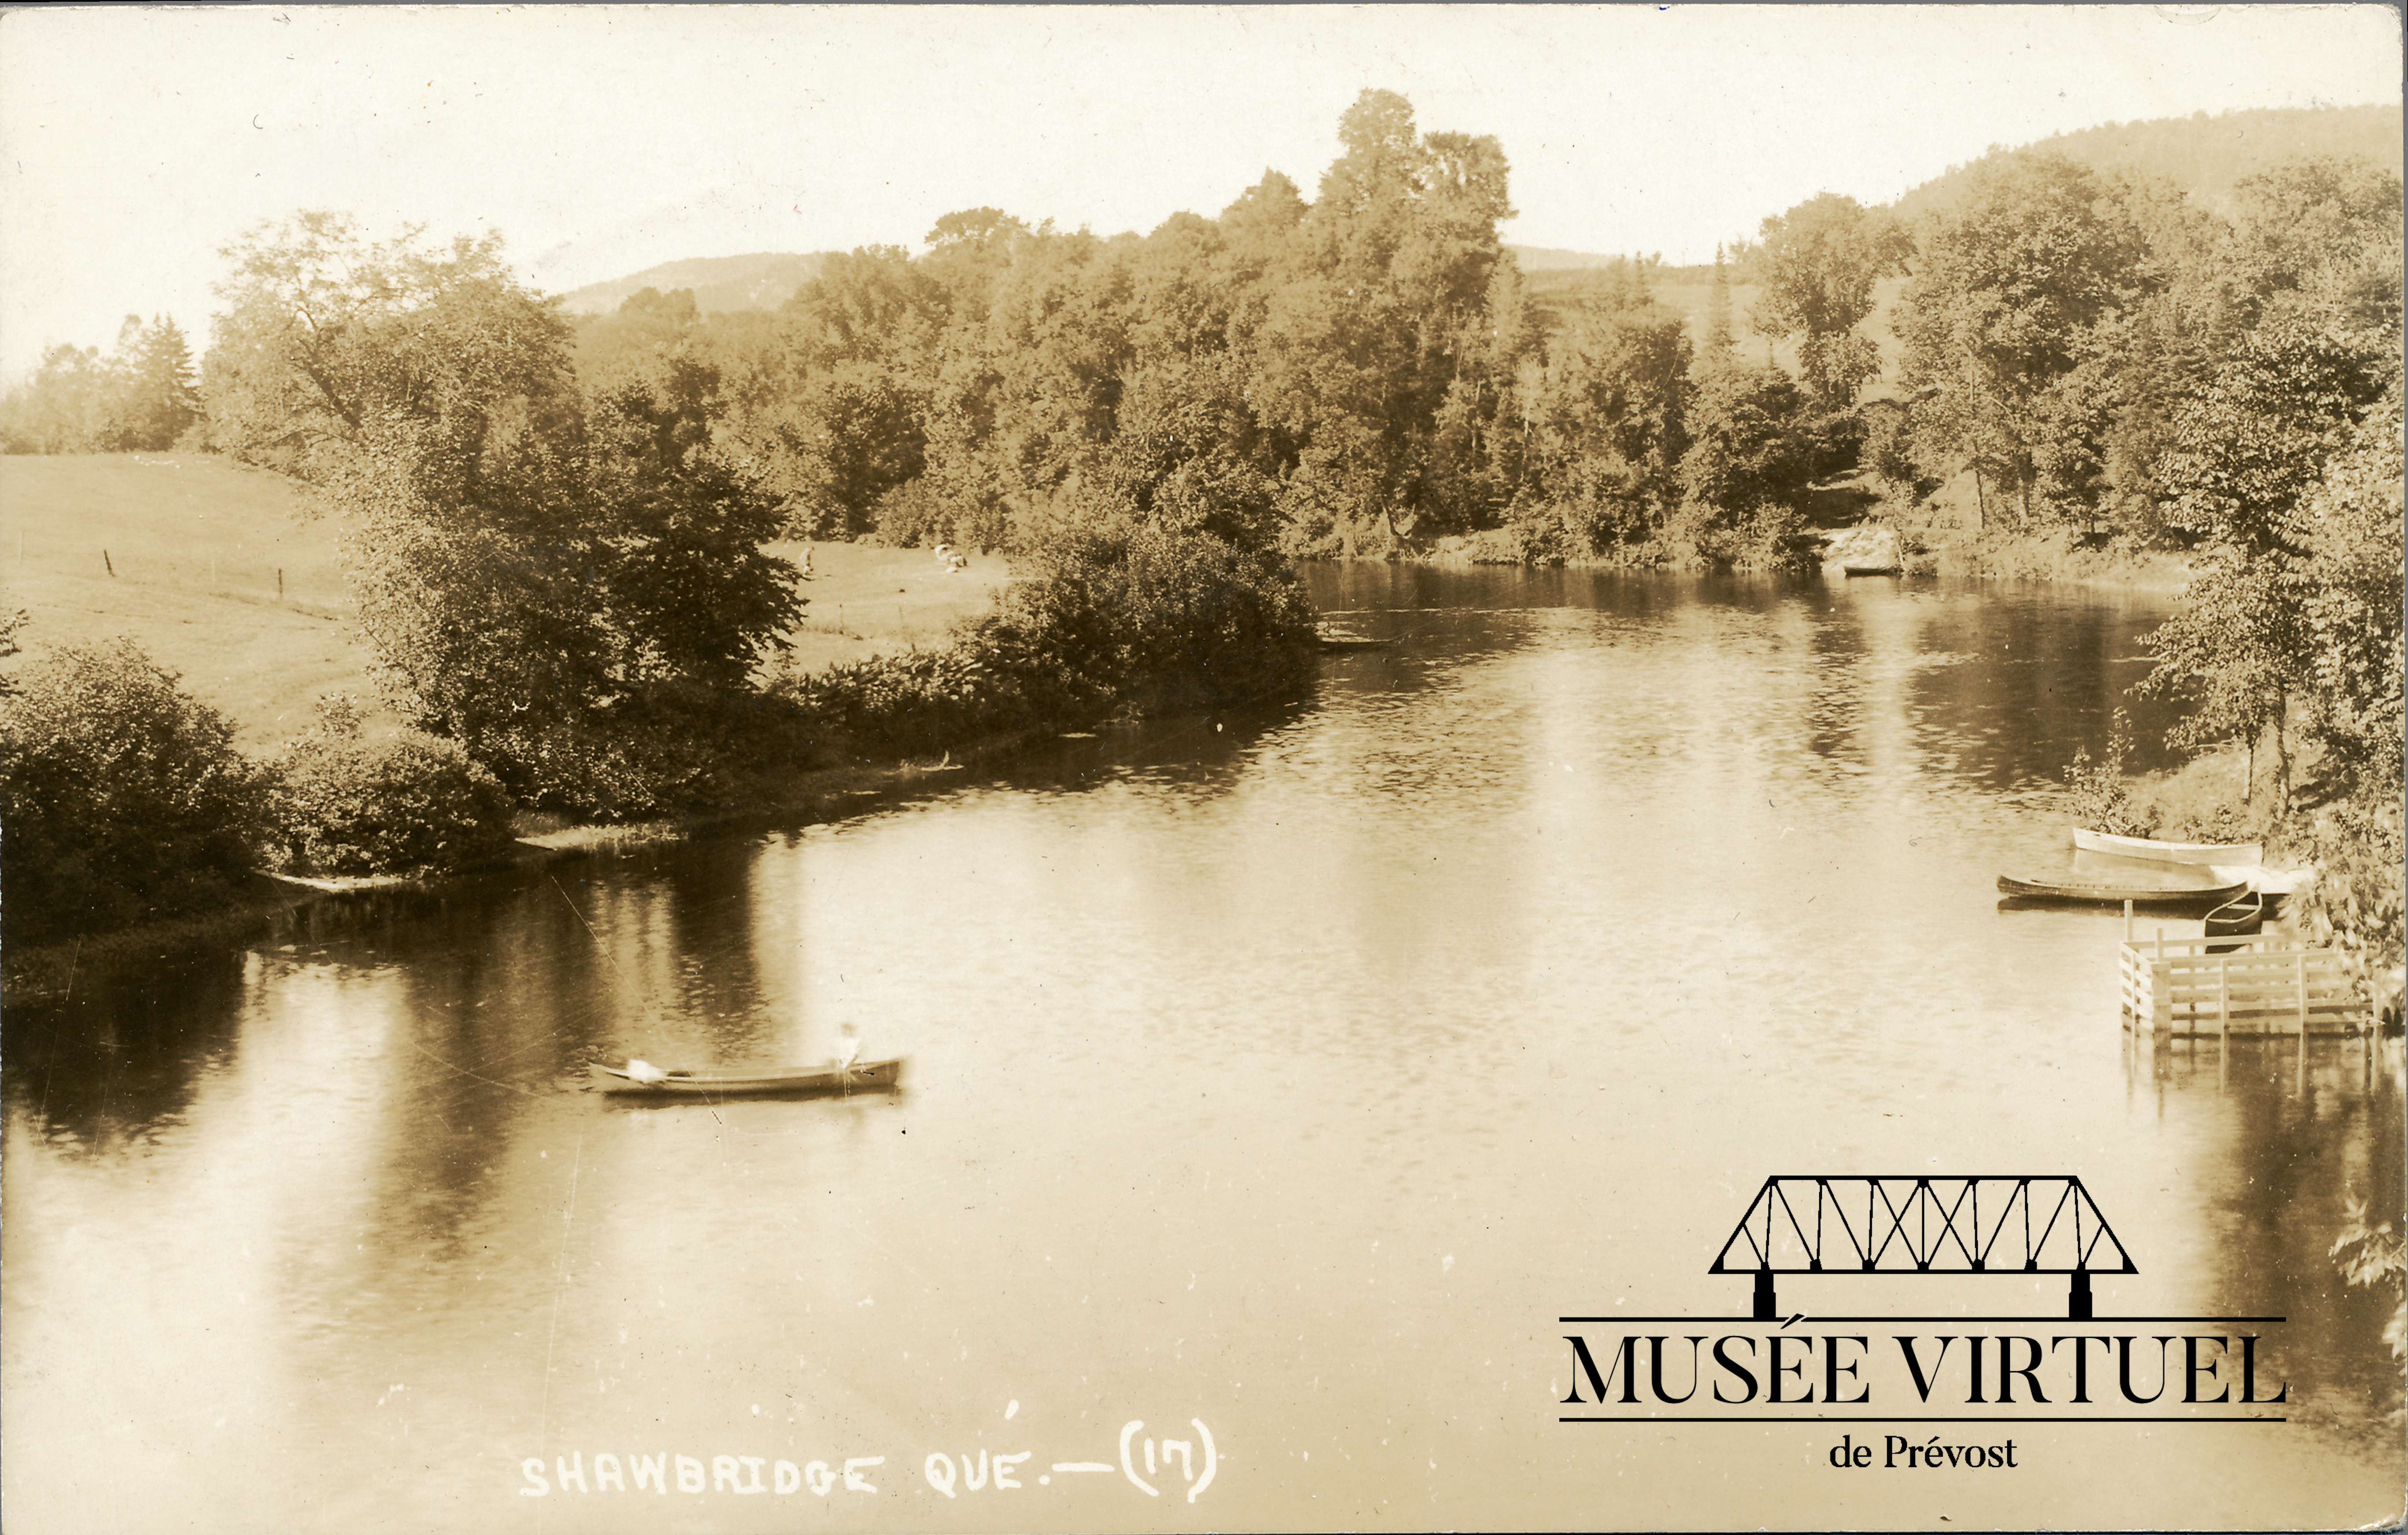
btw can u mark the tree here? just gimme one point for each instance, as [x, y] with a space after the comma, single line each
[689, 592]
[344, 804]
[2321, 233]
[2005, 288]
[572, 589]
[139, 397]
[2234, 652]
[160, 399]
[833, 401]
[1816, 265]
[1717, 342]
[325, 330]
[1380, 315]
[1750, 459]
[63, 407]
[476, 587]
[1598, 426]
[2252, 438]
[121, 797]
[650, 331]
[2352, 604]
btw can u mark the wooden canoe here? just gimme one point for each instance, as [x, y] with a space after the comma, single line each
[791, 1081]
[2206, 854]
[2141, 890]
[2243, 916]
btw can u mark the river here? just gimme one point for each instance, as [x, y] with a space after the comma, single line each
[1276, 1080]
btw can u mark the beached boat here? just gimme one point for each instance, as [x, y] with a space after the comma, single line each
[2168, 889]
[790, 1081]
[2206, 854]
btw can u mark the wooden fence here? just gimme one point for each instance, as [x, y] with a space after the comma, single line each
[2265, 984]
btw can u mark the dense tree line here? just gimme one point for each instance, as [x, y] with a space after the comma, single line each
[561, 536]
[143, 395]
[1360, 373]
[1367, 370]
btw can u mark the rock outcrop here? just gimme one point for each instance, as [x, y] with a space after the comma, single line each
[1869, 550]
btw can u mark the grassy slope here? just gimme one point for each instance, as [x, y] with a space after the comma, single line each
[197, 543]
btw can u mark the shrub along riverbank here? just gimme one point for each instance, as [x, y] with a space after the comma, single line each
[125, 801]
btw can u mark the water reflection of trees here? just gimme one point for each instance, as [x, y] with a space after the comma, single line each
[2302, 1133]
[121, 1054]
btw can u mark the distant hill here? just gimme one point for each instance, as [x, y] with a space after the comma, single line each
[1537, 258]
[2203, 155]
[761, 281]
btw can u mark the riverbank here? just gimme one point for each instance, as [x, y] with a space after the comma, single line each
[2056, 555]
[47, 973]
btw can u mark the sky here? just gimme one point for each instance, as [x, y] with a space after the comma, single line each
[136, 142]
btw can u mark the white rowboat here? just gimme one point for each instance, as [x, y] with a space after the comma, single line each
[2206, 854]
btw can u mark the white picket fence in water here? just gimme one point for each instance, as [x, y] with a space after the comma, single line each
[2263, 985]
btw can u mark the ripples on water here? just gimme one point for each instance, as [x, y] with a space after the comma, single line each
[1293, 1070]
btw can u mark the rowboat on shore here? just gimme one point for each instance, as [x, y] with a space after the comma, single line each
[785, 1082]
[2170, 889]
[2207, 854]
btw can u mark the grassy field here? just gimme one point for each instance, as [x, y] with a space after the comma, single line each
[209, 567]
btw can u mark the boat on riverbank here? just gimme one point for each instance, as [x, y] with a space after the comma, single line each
[2204, 854]
[2170, 889]
[783, 1082]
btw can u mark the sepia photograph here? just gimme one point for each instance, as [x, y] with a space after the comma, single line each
[1089, 768]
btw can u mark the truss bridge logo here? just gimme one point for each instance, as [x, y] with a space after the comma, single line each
[1808, 1347]
[1923, 1225]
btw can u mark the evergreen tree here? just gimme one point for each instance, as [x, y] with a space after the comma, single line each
[1718, 313]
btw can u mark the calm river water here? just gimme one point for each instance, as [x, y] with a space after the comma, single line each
[1276, 1082]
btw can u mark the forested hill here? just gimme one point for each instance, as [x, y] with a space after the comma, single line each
[720, 283]
[2203, 155]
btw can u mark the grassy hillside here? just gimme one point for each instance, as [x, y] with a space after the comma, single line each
[196, 545]
[720, 283]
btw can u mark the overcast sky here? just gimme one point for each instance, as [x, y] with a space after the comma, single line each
[134, 143]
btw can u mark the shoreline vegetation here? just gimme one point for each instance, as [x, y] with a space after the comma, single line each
[868, 603]
[414, 564]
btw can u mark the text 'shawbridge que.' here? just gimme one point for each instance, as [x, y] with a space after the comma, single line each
[1910, 1224]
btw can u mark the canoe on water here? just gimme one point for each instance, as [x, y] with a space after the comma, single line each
[2241, 917]
[2230, 854]
[792, 1081]
[2171, 889]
